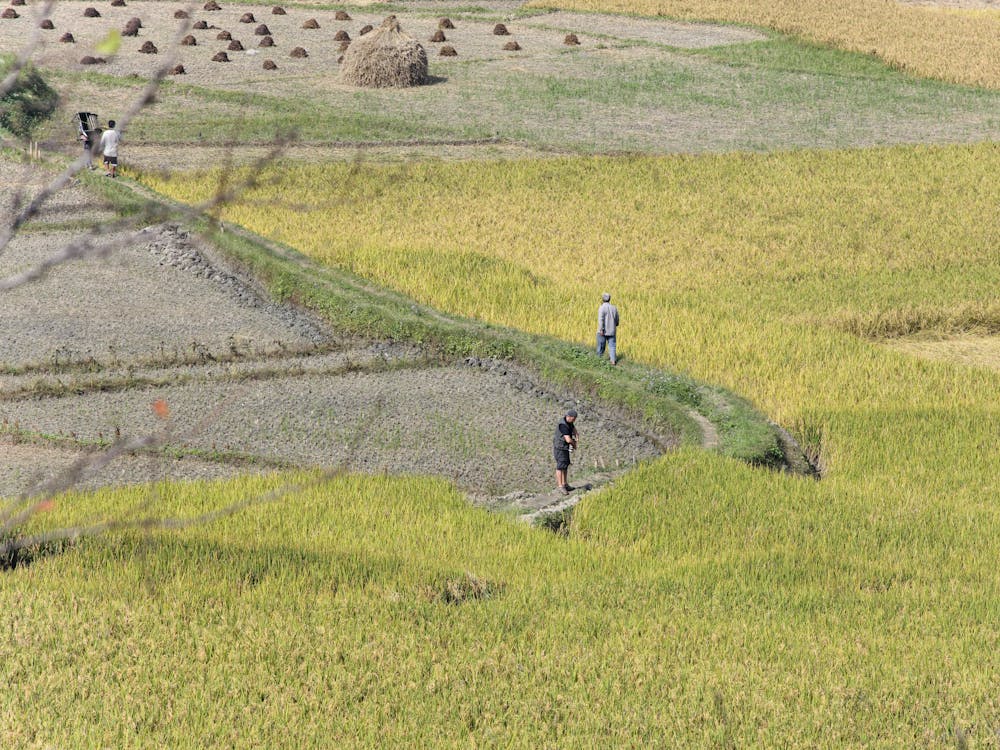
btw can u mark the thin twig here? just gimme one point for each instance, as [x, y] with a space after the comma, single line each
[88, 247]
[146, 97]
[73, 533]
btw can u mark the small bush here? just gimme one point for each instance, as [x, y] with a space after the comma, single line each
[30, 101]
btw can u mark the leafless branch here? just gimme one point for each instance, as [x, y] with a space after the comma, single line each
[73, 533]
[89, 246]
[99, 241]
[29, 503]
[145, 97]
[26, 53]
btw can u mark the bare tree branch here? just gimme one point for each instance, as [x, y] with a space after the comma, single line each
[88, 247]
[24, 56]
[146, 97]
[151, 523]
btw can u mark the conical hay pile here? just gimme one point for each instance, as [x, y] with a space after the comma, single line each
[385, 58]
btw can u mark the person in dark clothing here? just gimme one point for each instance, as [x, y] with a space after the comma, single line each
[563, 443]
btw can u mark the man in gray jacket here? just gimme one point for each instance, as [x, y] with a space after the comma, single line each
[607, 328]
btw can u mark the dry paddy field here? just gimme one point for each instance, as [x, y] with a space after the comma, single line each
[631, 84]
[250, 384]
[321, 35]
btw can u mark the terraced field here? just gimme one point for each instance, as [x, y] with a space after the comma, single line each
[835, 266]
[251, 383]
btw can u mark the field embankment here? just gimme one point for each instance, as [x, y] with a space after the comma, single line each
[372, 383]
[958, 46]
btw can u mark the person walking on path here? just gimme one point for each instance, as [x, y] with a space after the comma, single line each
[607, 328]
[109, 147]
[88, 144]
[563, 443]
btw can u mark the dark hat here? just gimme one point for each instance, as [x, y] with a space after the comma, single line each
[571, 413]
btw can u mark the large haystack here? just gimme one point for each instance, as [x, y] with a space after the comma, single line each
[385, 58]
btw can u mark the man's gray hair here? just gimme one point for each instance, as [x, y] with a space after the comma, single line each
[606, 297]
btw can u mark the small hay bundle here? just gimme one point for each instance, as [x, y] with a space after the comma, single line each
[212, 5]
[571, 39]
[220, 57]
[91, 13]
[47, 24]
[266, 42]
[117, 3]
[262, 30]
[298, 52]
[189, 41]
[277, 10]
[178, 70]
[500, 30]
[270, 65]
[247, 18]
[67, 38]
[512, 47]
[341, 36]
[385, 58]
[342, 15]
[135, 21]
[181, 14]
[200, 25]
[312, 23]
[235, 46]
[223, 36]
[365, 29]
[131, 28]
[148, 48]
[448, 51]
[9, 13]
[438, 36]
[19, 2]
[445, 23]
[88, 60]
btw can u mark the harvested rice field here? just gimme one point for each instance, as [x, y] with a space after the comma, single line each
[250, 383]
[632, 84]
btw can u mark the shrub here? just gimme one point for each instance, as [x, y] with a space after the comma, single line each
[29, 102]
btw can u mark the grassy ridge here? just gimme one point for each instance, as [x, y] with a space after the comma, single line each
[963, 47]
[739, 269]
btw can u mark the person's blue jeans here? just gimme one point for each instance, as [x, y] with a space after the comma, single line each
[610, 342]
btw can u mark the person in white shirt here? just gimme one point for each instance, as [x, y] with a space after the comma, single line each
[109, 148]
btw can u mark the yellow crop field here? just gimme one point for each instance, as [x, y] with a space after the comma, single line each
[699, 601]
[958, 46]
[746, 270]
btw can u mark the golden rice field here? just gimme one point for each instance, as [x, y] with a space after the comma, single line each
[958, 46]
[699, 602]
